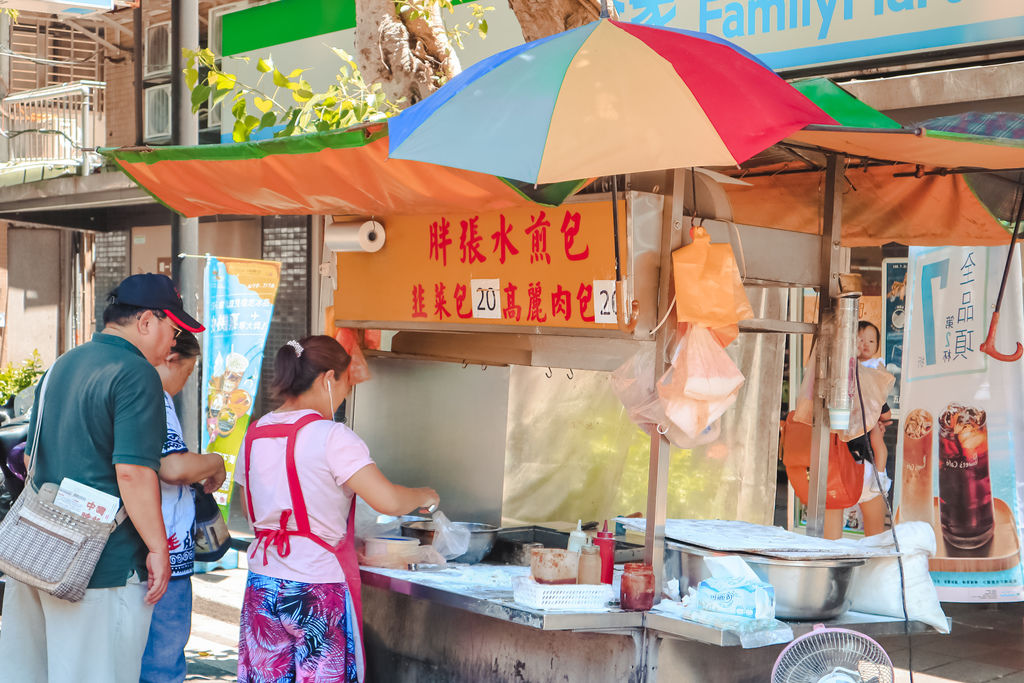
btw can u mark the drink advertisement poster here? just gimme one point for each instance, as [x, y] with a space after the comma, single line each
[958, 444]
[239, 302]
[894, 318]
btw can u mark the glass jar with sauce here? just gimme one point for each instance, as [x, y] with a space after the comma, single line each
[590, 565]
[637, 591]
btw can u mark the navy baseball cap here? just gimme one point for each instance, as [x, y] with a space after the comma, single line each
[157, 292]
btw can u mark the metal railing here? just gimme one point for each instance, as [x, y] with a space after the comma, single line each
[57, 125]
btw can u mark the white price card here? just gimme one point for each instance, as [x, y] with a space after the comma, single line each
[486, 298]
[605, 302]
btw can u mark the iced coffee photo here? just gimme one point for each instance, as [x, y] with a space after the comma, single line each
[916, 497]
[965, 489]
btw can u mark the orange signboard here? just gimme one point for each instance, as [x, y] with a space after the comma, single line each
[528, 267]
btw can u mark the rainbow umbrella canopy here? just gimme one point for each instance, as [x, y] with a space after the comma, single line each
[606, 98]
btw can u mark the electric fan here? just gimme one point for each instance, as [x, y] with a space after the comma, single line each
[833, 655]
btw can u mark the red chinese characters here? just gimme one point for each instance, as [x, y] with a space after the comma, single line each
[533, 312]
[513, 311]
[502, 240]
[538, 232]
[461, 294]
[439, 240]
[570, 229]
[561, 302]
[469, 241]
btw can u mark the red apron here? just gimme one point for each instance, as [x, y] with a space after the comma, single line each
[344, 552]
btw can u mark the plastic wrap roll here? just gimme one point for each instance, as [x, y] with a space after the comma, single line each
[368, 236]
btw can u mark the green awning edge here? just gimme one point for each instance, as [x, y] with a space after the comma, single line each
[237, 151]
[846, 109]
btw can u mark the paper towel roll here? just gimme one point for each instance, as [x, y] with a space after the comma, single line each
[368, 236]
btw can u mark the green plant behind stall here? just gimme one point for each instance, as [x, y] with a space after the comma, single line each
[17, 376]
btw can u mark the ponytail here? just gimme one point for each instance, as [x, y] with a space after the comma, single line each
[299, 363]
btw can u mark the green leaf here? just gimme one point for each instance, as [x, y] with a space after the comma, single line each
[218, 95]
[268, 120]
[262, 104]
[250, 121]
[295, 73]
[191, 77]
[265, 65]
[238, 108]
[239, 133]
[302, 95]
[280, 80]
[199, 95]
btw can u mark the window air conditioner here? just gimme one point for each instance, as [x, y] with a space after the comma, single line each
[158, 113]
[157, 53]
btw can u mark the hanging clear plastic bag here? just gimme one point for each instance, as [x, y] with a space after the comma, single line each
[449, 540]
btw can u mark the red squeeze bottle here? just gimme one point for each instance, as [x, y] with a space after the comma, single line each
[606, 542]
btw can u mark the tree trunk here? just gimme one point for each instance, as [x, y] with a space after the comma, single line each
[409, 58]
[541, 18]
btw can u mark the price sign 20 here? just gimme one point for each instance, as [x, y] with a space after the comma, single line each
[486, 298]
[605, 302]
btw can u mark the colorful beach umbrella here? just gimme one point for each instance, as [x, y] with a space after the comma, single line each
[605, 98]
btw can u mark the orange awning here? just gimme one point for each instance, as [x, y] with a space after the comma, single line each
[338, 173]
[935, 210]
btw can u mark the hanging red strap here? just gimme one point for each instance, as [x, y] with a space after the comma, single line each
[279, 538]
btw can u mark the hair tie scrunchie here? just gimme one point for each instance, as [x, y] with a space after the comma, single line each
[297, 346]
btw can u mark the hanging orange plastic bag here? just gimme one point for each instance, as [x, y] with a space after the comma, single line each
[709, 291]
[358, 370]
[702, 383]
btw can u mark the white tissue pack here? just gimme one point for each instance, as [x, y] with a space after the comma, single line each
[735, 589]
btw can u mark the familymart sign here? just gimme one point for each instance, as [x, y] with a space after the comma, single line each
[791, 34]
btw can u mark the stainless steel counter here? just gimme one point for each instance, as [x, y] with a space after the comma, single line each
[487, 590]
[868, 624]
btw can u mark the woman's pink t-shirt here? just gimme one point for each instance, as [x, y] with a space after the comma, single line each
[326, 455]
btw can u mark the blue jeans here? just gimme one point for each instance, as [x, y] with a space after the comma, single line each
[164, 659]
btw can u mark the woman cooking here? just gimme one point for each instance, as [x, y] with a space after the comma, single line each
[301, 616]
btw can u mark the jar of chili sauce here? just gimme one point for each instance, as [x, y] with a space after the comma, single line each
[637, 590]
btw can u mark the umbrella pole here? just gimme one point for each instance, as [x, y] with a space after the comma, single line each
[989, 345]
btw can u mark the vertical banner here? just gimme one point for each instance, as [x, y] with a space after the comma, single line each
[962, 420]
[239, 302]
[894, 319]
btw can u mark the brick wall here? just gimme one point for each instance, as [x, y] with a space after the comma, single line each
[112, 266]
[120, 103]
[286, 239]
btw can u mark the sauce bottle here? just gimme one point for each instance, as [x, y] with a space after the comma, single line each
[606, 542]
[590, 565]
[577, 539]
[637, 590]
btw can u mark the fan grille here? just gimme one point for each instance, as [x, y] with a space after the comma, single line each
[833, 655]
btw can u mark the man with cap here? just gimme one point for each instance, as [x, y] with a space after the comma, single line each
[103, 424]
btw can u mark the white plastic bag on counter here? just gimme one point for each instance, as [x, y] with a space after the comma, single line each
[370, 523]
[449, 540]
[876, 585]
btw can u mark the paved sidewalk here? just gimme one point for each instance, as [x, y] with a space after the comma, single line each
[212, 651]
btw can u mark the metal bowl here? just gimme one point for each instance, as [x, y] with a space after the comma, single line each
[804, 589]
[481, 538]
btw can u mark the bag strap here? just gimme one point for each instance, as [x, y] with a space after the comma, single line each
[35, 435]
[122, 513]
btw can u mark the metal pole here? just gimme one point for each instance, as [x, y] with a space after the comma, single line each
[831, 261]
[86, 133]
[657, 475]
[187, 273]
[137, 57]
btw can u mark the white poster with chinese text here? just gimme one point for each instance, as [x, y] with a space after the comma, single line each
[957, 453]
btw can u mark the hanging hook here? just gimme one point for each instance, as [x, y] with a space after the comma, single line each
[483, 368]
[569, 374]
[548, 374]
[465, 364]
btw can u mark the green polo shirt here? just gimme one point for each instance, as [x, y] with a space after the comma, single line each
[104, 406]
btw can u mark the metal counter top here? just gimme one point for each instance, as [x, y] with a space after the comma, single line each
[487, 590]
[869, 624]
